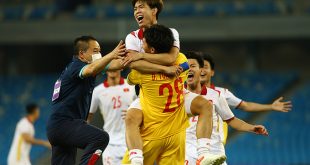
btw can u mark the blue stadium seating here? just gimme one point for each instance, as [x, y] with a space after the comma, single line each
[13, 13]
[260, 87]
[41, 12]
[288, 141]
[122, 9]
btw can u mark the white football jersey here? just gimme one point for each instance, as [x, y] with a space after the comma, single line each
[134, 40]
[111, 101]
[20, 150]
[221, 112]
[231, 99]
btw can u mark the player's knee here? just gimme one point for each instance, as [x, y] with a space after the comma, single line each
[133, 117]
[201, 106]
[103, 139]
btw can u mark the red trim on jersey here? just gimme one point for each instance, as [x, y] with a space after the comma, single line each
[212, 86]
[185, 85]
[140, 34]
[204, 90]
[121, 82]
[238, 105]
[229, 119]
[133, 33]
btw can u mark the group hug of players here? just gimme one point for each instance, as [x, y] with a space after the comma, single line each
[178, 117]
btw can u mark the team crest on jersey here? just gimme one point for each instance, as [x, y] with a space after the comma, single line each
[126, 89]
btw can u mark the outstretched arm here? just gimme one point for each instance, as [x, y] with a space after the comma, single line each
[31, 140]
[100, 64]
[277, 105]
[241, 125]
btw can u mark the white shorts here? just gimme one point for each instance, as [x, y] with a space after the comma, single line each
[189, 160]
[190, 153]
[188, 98]
[113, 154]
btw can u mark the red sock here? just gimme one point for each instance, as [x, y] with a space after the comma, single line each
[93, 159]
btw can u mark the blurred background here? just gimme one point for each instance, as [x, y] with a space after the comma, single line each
[261, 50]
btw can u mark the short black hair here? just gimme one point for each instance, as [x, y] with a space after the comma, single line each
[159, 37]
[81, 44]
[195, 55]
[209, 58]
[30, 108]
[159, 4]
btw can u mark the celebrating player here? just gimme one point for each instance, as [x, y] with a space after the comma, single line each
[67, 129]
[146, 14]
[24, 137]
[112, 97]
[221, 111]
[234, 102]
[162, 102]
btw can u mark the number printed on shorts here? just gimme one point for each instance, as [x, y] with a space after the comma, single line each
[168, 87]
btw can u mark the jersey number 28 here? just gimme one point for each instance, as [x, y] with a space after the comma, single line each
[178, 91]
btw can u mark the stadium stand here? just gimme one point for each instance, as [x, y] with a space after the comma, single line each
[288, 141]
[36, 10]
[258, 87]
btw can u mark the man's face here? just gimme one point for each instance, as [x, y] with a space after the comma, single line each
[193, 77]
[93, 48]
[144, 15]
[113, 74]
[206, 72]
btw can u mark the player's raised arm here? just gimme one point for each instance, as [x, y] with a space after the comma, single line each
[241, 125]
[277, 105]
[99, 65]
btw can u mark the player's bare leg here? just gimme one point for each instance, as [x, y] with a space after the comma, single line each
[134, 142]
[203, 108]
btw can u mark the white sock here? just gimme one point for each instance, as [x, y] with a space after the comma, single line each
[203, 146]
[136, 156]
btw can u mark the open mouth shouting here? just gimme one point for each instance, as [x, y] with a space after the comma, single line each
[139, 19]
[190, 77]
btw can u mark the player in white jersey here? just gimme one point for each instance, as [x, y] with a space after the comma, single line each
[19, 153]
[112, 97]
[146, 13]
[221, 112]
[233, 101]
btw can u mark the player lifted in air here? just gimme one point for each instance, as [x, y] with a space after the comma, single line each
[234, 102]
[112, 97]
[221, 112]
[67, 129]
[146, 13]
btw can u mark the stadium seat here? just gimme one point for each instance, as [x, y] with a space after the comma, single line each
[288, 139]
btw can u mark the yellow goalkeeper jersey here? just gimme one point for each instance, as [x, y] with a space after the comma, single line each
[162, 102]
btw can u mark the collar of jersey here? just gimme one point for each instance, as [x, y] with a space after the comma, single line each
[121, 82]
